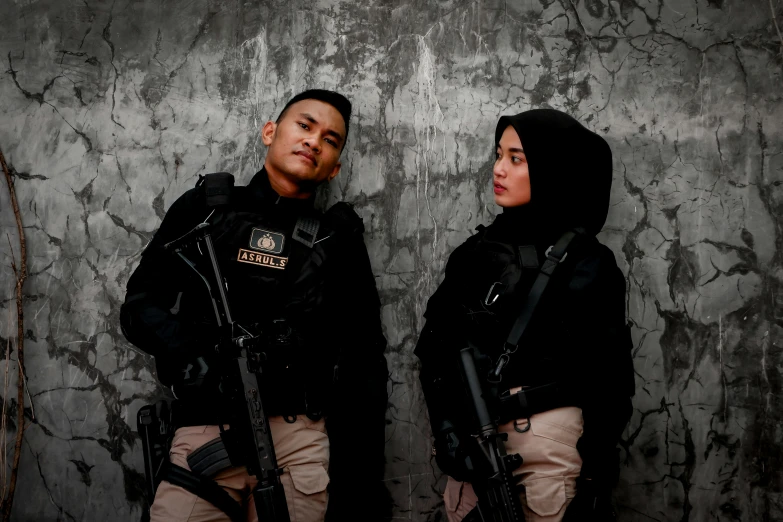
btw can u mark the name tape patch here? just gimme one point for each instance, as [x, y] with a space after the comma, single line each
[254, 258]
[266, 241]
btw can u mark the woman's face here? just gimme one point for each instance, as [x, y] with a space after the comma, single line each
[510, 176]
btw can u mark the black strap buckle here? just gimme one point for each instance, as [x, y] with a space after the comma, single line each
[495, 376]
[553, 256]
[306, 231]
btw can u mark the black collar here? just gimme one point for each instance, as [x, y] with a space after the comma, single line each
[262, 190]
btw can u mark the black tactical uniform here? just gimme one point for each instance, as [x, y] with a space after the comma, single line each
[315, 300]
[577, 336]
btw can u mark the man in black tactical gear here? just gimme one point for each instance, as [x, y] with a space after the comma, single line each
[302, 281]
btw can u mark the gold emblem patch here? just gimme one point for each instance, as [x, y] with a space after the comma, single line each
[254, 258]
[266, 241]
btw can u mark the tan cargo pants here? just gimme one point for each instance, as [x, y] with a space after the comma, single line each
[302, 450]
[550, 467]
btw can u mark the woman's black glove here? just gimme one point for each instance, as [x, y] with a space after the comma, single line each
[453, 452]
[592, 503]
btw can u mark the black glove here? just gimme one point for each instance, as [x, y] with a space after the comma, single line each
[453, 453]
[592, 503]
[196, 378]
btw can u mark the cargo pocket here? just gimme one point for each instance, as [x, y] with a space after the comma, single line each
[552, 450]
[309, 497]
[545, 496]
[562, 434]
[309, 479]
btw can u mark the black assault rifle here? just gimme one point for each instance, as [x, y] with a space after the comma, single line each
[498, 499]
[248, 441]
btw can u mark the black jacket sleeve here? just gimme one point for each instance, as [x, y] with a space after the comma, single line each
[157, 315]
[440, 339]
[602, 364]
[356, 422]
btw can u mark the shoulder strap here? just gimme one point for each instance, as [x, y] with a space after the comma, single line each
[554, 256]
[204, 488]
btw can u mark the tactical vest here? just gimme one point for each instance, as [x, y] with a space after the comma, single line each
[275, 262]
[497, 276]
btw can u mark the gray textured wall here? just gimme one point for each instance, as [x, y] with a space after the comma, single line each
[109, 111]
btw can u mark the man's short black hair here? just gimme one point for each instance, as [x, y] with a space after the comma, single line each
[336, 100]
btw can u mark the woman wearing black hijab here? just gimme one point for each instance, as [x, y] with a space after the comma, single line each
[573, 364]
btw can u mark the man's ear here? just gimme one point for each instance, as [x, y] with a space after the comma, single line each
[335, 172]
[268, 132]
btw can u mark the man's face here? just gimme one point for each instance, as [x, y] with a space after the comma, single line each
[305, 145]
[511, 178]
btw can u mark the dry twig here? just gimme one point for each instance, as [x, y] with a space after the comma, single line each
[4, 424]
[21, 275]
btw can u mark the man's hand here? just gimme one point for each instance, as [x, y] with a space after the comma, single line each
[593, 503]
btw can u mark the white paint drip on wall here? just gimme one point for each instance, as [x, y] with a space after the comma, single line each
[427, 119]
[257, 64]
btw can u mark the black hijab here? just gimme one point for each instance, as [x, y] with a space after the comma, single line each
[570, 177]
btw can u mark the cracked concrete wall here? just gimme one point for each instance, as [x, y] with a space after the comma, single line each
[109, 111]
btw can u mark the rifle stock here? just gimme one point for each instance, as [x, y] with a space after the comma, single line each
[248, 440]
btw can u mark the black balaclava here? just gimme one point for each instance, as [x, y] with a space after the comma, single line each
[570, 176]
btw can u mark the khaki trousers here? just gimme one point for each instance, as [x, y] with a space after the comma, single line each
[302, 450]
[549, 470]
